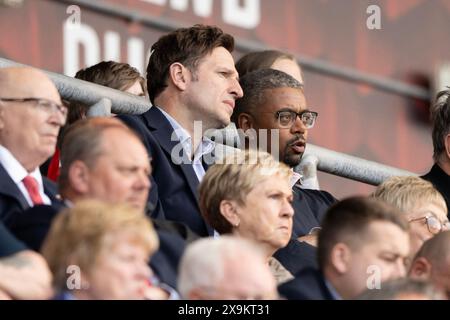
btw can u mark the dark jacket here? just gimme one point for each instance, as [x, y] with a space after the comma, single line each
[441, 182]
[176, 184]
[308, 284]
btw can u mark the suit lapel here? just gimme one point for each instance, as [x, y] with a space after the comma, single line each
[162, 131]
[10, 189]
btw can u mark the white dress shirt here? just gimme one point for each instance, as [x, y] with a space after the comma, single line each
[205, 147]
[17, 173]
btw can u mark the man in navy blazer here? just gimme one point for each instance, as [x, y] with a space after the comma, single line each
[192, 84]
[31, 115]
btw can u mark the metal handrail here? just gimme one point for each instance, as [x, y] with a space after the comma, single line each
[90, 93]
[327, 160]
[308, 63]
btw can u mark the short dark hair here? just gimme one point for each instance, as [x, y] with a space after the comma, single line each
[255, 83]
[186, 46]
[260, 60]
[440, 117]
[347, 221]
[115, 75]
[436, 250]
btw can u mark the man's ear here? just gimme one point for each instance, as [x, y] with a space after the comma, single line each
[228, 209]
[340, 257]
[245, 121]
[447, 146]
[420, 269]
[79, 177]
[179, 75]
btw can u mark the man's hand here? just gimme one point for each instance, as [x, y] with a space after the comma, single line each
[25, 275]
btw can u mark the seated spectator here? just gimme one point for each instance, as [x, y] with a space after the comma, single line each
[227, 268]
[24, 274]
[432, 262]
[249, 196]
[98, 251]
[191, 79]
[403, 289]
[31, 114]
[439, 174]
[286, 62]
[421, 204]
[274, 106]
[104, 159]
[270, 59]
[115, 75]
[363, 242]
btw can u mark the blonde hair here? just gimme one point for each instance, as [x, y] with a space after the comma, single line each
[78, 235]
[408, 193]
[233, 179]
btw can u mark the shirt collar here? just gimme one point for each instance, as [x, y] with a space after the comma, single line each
[205, 147]
[295, 178]
[334, 294]
[15, 169]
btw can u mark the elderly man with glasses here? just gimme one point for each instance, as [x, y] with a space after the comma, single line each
[273, 115]
[31, 115]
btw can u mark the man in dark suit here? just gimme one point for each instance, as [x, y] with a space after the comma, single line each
[31, 115]
[274, 107]
[193, 85]
[439, 174]
[363, 242]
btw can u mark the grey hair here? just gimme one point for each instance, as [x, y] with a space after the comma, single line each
[204, 261]
[440, 117]
[392, 290]
[255, 83]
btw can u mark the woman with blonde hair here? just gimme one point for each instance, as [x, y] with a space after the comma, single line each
[248, 195]
[99, 251]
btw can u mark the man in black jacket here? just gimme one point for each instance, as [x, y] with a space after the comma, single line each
[274, 108]
[439, 174]
[363, 242]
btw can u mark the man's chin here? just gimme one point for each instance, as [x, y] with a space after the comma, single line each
[292, 160]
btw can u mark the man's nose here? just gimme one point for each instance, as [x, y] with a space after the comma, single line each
[236, 89]
[298, 126]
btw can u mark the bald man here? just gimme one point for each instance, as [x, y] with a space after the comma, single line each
[31, 115]
[432, 262]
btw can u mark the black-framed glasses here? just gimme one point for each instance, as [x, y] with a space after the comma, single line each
[286, 118]
[43, 104]
[433, 224]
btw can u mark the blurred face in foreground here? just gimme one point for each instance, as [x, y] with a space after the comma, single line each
[120, 271]
[379, 256]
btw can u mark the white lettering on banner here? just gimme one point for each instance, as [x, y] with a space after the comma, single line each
[201, 8]
[85, 41]
[112, 46]
[135, 54]
[85, 36]
[240, 13]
